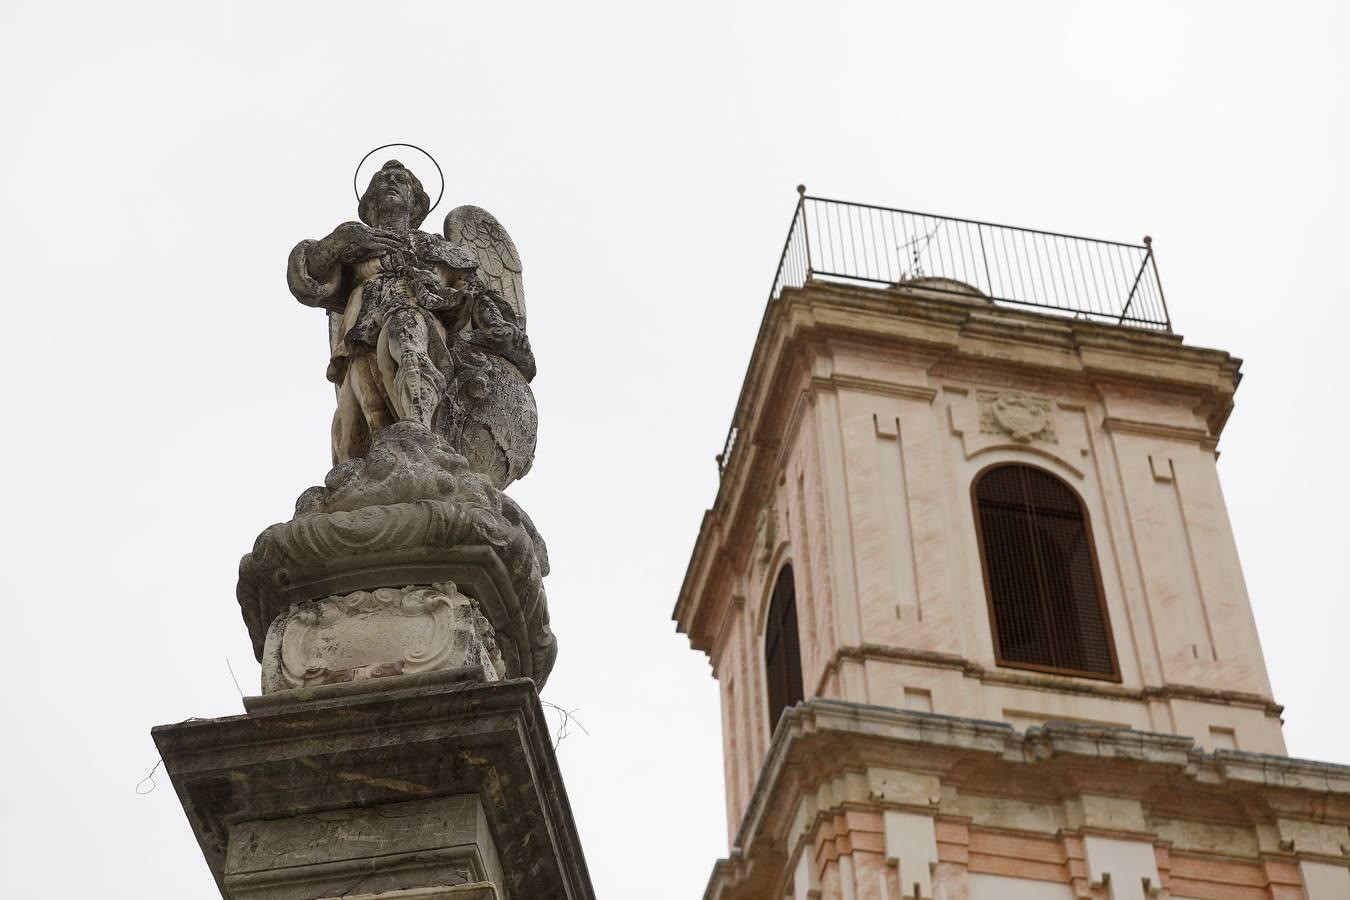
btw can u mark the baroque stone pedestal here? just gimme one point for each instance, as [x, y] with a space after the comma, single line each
[403, 561]
[430, 786]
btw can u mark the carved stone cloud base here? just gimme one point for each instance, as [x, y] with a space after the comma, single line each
[410, 517]
[425, 787]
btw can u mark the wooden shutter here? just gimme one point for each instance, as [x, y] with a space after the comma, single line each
[782, 652]
[1040, 571]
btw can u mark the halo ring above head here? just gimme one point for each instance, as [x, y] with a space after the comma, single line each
[356, 176]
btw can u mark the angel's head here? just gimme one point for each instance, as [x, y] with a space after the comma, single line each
[394, 193]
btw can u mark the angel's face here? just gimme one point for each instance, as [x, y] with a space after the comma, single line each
[392, 190]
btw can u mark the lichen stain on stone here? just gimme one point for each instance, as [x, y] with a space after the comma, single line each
[404, 787]
[393, 784]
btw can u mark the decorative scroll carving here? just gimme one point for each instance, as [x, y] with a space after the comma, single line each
[1022, 417]
[369, 634]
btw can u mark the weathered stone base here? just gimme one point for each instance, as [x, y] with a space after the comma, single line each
[389, 847]
[858, 801]
[432, 786]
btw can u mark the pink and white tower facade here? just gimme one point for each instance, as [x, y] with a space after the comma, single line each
[971, 594]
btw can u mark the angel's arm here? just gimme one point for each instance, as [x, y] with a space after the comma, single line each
[314, 269]
[448, 294]
[492, 315]
[495, 329]
[313, 280]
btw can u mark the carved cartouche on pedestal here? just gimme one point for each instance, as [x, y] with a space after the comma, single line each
[369, 634]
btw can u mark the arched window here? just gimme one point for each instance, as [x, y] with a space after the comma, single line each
[782, 652]
[1040, 574]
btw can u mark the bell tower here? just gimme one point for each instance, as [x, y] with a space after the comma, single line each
[971, 593]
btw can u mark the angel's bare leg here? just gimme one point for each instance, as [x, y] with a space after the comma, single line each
[417, 384]
[351, 438]
[363, 374]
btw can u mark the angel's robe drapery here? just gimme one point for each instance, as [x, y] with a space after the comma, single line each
[355, 311]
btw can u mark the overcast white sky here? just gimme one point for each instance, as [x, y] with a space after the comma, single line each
[165, 398]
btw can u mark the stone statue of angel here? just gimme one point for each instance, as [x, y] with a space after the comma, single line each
[424, 328]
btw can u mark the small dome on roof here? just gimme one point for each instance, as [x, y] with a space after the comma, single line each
[938, 283]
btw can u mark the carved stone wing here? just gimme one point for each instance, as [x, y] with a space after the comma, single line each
[498, 262]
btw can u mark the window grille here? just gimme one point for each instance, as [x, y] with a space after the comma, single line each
[1045, 596]
[782, 652]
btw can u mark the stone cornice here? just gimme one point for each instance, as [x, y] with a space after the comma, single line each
[1118, 425]
[873, 386]
[1041, 682]
[687, 606]
[1073, 758]
[358, 745]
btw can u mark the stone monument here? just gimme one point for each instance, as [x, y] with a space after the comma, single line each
[398, 748]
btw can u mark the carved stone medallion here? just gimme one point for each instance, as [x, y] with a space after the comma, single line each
[370, 634]
[1019, 416]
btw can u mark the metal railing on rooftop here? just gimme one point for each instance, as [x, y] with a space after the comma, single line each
[1060, 274]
